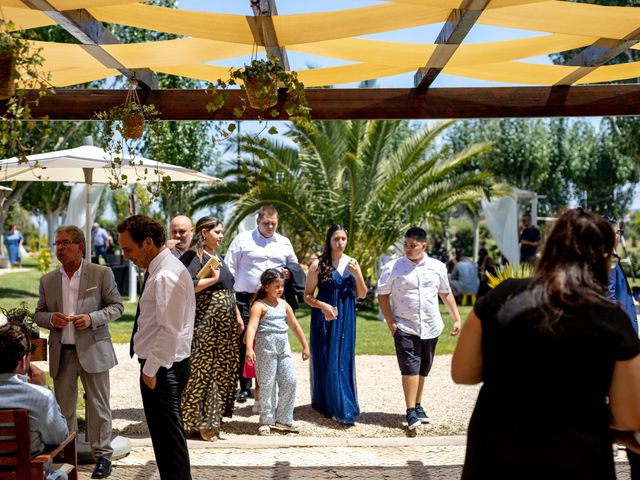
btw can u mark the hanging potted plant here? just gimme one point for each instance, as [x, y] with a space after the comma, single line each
[261, 80]
[19, 61]
[122, 126]
[129, 117]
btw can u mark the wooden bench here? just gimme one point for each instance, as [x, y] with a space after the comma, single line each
[14, 428]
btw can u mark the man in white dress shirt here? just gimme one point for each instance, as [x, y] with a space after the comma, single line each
[77, 303]
[413, 283]
[161, 338]
[251, 253]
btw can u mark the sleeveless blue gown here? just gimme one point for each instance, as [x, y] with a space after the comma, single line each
[333, 356]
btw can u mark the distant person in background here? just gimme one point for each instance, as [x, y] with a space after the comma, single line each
[181, 231]
[464, 277]
[529, 240]
[486, 267]
[619, 288]
[438, 251]
[14, 241]
[101, 242]
[452, 261]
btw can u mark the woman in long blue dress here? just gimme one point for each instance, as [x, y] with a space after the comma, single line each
[13, 241]
[338, 279]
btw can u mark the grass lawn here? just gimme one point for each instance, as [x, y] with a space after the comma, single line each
[372, 337]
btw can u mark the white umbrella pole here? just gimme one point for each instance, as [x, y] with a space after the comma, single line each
[88, 180]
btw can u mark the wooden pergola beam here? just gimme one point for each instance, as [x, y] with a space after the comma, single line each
[264, 31]
[596, 55]
[458, 25]
[91, 34]
[344, 104]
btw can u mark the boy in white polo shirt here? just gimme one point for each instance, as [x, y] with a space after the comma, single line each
[408, 291]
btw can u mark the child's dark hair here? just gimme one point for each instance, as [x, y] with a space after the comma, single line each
[416, 233]
[268, 276]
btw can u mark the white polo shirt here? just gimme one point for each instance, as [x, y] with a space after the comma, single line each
[414, 289]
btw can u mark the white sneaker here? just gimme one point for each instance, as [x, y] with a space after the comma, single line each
[293, 428]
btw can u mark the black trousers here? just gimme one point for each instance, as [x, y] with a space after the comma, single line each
[243, 300]
[634, 463]
[164, 418]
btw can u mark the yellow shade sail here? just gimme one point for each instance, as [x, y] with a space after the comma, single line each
[551, 27]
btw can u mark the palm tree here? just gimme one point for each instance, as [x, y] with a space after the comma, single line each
[376, 178]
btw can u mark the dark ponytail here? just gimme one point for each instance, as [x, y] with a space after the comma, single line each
[268, 276]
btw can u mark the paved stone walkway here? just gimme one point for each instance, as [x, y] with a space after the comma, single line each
[256, 458]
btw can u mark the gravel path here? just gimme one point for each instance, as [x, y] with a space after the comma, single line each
[380, 394]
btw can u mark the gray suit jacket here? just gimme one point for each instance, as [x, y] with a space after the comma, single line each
[98, 296]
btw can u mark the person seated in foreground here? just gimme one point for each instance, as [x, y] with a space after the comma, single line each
[22, 385]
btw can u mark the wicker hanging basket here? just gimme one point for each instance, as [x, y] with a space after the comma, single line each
[7, 82]
[255, 86]
[133, 126]
[133, 122]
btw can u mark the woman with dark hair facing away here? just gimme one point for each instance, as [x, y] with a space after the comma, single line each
[215, 351]
[338, 279]
[550, 350]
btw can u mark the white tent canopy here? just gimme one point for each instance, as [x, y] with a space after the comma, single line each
[502, 219]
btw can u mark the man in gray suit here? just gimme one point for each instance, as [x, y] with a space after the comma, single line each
[76, 303]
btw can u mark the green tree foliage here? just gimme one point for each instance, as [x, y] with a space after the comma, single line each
[602, 175]
[564, 160]
[359, 174]
[524, 154]
[625, 131]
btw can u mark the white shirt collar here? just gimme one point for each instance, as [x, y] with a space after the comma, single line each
[157, 260]
[76, 273]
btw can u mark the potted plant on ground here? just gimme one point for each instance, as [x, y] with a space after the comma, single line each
[261, 80]
[21, 315]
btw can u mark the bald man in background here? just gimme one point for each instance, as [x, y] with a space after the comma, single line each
[181, 230]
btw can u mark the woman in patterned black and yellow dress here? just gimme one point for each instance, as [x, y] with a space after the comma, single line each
[215, 353]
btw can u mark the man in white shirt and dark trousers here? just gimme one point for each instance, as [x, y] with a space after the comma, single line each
[77, 302]
[161, 338]
[408, 292]
[251, 253]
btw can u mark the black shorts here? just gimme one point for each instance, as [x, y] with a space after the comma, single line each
[415, 356]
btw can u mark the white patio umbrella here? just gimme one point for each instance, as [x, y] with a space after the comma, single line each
[92, 165]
